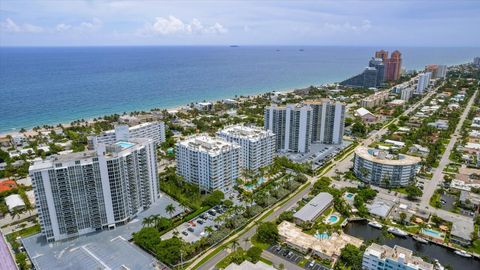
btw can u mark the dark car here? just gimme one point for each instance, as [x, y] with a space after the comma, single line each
[200, 221]
[212, 213]
[190, 229]
[185, 233]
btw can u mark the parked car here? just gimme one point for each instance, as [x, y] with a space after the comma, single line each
[200, 221]
[190, 229]
[185, 233]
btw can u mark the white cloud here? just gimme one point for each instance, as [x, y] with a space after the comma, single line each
[348, 27]
[172, 25]
[9, 26]
[94, 24]
[63, 27]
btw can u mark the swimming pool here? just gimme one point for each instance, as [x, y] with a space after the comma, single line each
[321, 236]
[125, 144]
[348, 195]
[251, 187]
[332, 219]
[432, 233]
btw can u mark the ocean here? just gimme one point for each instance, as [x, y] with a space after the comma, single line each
[57, 84]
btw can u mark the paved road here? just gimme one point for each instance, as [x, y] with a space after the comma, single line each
[430, 186]
[338, 165]
[345, 164]
[210, 264]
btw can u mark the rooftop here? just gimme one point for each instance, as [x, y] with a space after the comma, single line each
[462, 228]
[330, 246]
[380, 208]
[244, 132]
[246, 265]
[208, 144]
[107, 249]
[314, 207]
[398, 253]
[379, 156]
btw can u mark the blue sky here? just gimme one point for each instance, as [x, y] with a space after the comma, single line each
[347, 23]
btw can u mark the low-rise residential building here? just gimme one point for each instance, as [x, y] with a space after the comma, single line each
[439, 124]
[378, 167]
[470, 200]
[257, 145]
[374, 100]
[314, 208]
[204, 106]
[328, 247]
[14, 202]
[380, 208]
[366, 115]
[377, 257]
[246, 265]
[207, 162]
[461, 232]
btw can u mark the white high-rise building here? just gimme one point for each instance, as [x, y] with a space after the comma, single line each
[476, 61]
[441, 71]
[150, 130]
[207, 162]
[328, 121]
[378, 257]
[257, 145]
[292, 126]
[423, 81]
[406, 93]
[79, 193]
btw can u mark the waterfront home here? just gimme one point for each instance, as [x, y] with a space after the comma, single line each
[461, 233]
[323, 245]
[314, 208]
[377, 257]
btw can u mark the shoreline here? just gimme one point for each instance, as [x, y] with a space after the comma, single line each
[30, 132]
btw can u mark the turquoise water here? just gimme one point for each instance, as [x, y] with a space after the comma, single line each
[58, 85]
[332, 219]
[322, 236]
[251, 187]
[125, 144]
[348, 195]
[432, 233]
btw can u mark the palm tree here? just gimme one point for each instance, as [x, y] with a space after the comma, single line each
[235, 244]
[147, 221]
[170, 209]
[155, 219]
[246, 241]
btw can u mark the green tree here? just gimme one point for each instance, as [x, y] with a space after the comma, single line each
[254, 253]
[214, 198]
[170, 209]
[267, 232]
[403, 216]
[351, 257]
[413, 192]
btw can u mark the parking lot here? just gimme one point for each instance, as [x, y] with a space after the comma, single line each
[286, 253]
[195, 229]
[295, 257]
[319, 153]
[448, 201]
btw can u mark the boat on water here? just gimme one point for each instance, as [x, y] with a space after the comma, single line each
[438, 266]
[375, 224]
[397, 231]
[420, 239]
[462, 253]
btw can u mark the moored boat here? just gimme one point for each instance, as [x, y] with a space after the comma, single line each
[420, 239]
[462, 253]
[375, 224]
[438, 266]
[397, 231]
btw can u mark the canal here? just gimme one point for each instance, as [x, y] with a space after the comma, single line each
[444, 255]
